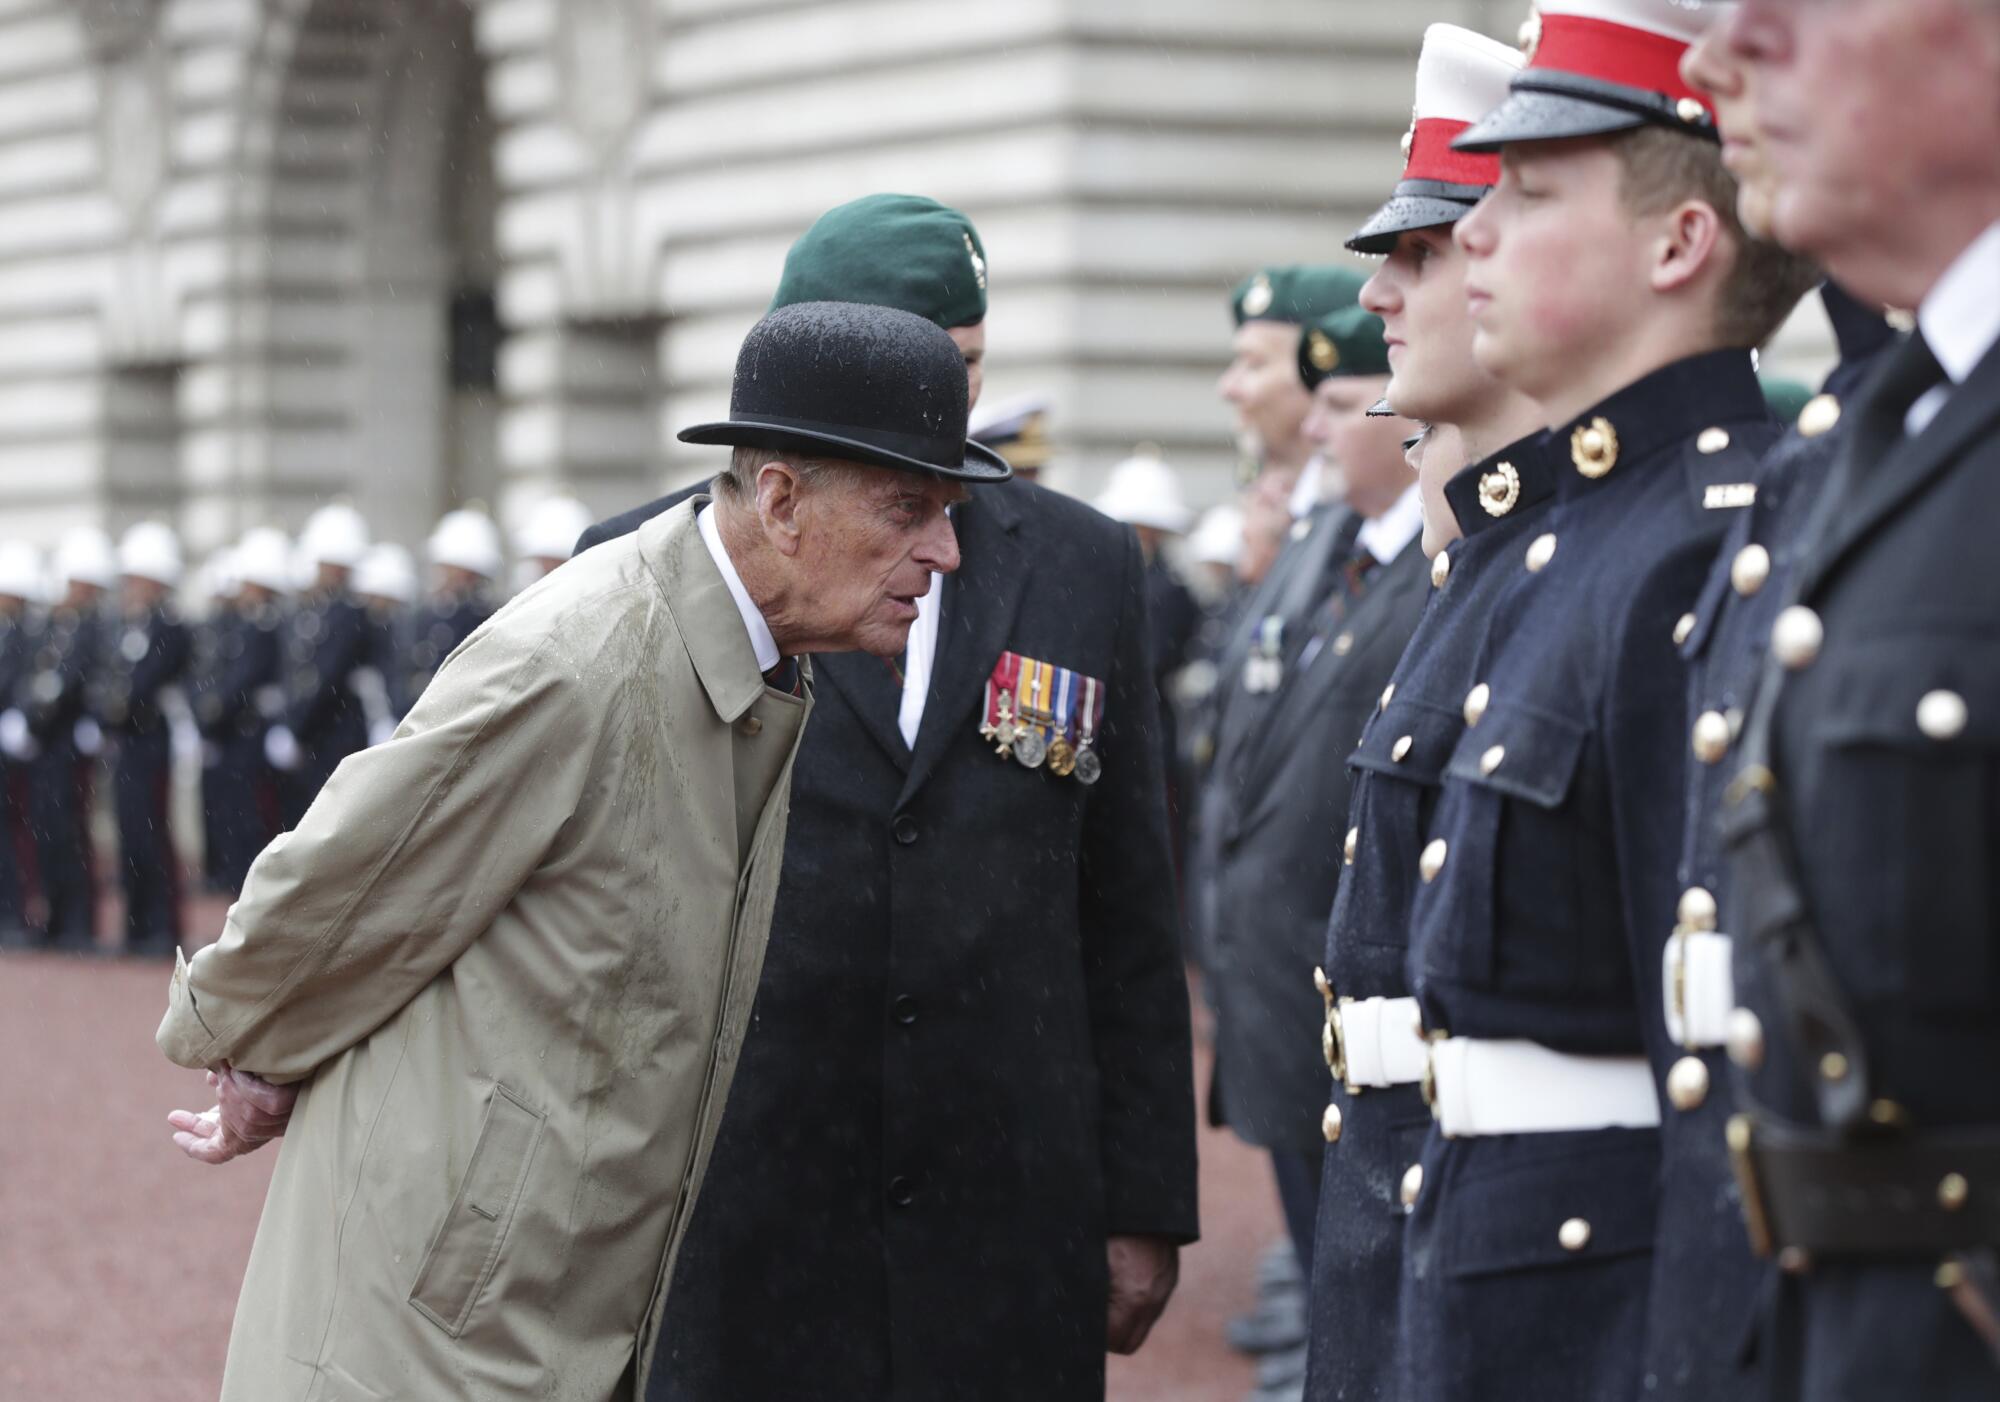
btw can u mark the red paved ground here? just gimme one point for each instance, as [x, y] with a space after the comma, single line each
[120, 1260]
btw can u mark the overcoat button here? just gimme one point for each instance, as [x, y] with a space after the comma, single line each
[902, 1192]
[906, 830]
[905, 1009]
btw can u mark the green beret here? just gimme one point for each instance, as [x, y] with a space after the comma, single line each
[1787, 398]
[1297, 294]
[1347, 342]
[900, 251]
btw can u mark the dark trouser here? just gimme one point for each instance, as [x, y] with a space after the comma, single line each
[13, 886]
[59, 809]
[239, 798]
[148, 867]
[1298, 1195]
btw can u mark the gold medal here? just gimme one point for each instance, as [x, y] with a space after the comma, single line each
[1062, 757]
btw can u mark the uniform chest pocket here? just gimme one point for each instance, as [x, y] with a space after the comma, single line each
[1400, 764]
[466, 1249]
[1508, 857]
[1909, 735]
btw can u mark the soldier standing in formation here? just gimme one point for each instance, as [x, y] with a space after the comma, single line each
[149, 656]
[326, 642]
[464, 552]
[20, 585]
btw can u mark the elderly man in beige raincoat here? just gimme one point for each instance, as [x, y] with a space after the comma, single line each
[506, 960]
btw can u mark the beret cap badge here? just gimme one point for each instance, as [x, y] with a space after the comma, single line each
[1257, 300]
[1325, 354]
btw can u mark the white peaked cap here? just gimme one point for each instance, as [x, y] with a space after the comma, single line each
[1144, 491]
[1218, 540]
[20, 570]
[85, 556]
[264, 558]
[219, 578]
[551, 529]
[151, 551]
[1461, 75]
[334, 535]
[1672, 18]
[387, 571]
[466, 540]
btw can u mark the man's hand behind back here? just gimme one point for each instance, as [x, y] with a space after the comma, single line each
[248, 1113]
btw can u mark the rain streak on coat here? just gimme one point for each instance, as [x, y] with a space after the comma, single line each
[511, 953]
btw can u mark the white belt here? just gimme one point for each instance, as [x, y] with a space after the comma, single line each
[1479, 1088]
[1700, 990]
[1383, 1041]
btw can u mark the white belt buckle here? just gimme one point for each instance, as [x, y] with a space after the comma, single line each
[1699, 988]
[1382, 1042]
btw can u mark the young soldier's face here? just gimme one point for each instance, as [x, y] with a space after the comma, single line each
[1558, 273]
[1712, 69]
[1419, 292]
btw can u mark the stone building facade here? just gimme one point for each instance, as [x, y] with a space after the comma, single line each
[255, 254]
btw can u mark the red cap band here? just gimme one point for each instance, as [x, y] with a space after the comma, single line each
[1614, 53]
[1431, 156]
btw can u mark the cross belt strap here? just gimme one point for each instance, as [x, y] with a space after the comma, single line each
[1815, 1192]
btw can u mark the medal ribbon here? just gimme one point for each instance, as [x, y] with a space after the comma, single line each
[1090, 713]
[1065, 693]
[1006, 673]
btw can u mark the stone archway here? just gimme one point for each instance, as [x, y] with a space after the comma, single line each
[349, 360]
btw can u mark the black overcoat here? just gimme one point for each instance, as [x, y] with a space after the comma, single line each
[969, 1061]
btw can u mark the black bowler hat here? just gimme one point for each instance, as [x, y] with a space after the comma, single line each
[858, 383]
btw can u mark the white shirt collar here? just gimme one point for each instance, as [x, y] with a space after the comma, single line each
[1389, 535]
[761, 641]
[1960, 317]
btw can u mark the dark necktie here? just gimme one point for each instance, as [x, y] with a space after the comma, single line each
[1911, 371]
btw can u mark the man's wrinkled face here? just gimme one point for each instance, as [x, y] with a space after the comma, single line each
[1262, 385]
[1419, 292]
[869, 540]
[1865, 109]
[971, 342]
[1369, 451]
[1556, 275]
[1714, 70]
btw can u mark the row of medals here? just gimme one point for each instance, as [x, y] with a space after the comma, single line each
[1034, 741]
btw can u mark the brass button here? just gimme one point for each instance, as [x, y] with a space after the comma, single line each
[1492, 760]
[1329, 1047]
[1540, 553]
[1746, 1039]
[1594, 448]
[1321, 982]
[1329, 1124]
[1691, 111]
[1388, 695]
[1711, 737]
[1684, 629]
[1712, 441]
[750, 725]
[1343, 645]
[1574, 1234]
[1900, 318]
[1796, 638]
[1697, 909]
[1349, 847]
[1833, 1066]
[1942, 715]
[1440, 570]
[1431, 861]
[1400, 751]
[1413, 1184]
[1953, 1192]
[1302, 529]
[1819, 416]
[1687, 1083]
[1749, 570]
[1476, 701]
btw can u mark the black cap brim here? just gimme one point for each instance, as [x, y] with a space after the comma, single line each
[1414, 204]
[1532, 115]
[980, 463]
[1380, 410]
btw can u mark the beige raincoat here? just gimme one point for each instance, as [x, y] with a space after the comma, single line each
[511, 955]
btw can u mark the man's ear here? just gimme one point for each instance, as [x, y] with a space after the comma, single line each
[778, 494]
[1690, 240]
